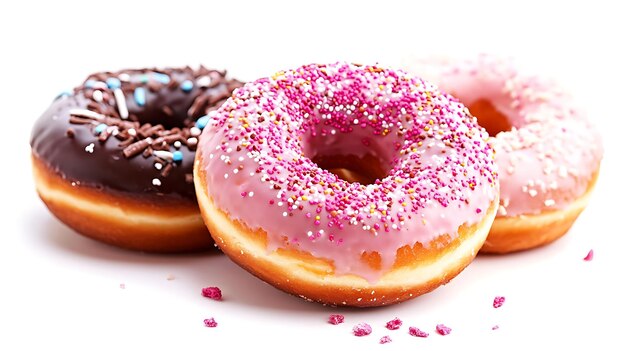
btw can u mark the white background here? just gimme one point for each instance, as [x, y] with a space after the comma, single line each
[61, 291]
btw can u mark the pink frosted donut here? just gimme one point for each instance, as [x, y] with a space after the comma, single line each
[273, 210]
[547, 152]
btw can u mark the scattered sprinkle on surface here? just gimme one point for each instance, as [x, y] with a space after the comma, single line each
[385, 339]
[394, 324]
[212, 292]
[415, 331]
[362, 329]
[498, 301]
[210, 322]
[443, 330]
[589, 256]
[335, 319]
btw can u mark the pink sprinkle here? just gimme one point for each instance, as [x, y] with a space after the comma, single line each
[244, 193]
[443, 330]
[394, 324]
[335, 319]
[212, 292]
[589, 256]
[415, 331]
[122, 286]
[478, 210]
[210, 322]
[495, 327]
[498, 301]
[362, 329]
[385, 339]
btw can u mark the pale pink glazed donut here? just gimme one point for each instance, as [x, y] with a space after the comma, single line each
[547, 152]
[273, 210]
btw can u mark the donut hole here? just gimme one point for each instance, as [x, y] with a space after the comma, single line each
[355, 156]
[489, 117]
[168, 117]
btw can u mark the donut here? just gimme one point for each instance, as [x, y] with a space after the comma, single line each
[547, 151]
[270, 202]
[113, 159]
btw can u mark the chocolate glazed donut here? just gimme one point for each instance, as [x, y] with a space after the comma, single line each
[114, 158]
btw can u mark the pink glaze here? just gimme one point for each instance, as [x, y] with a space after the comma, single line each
[552, 153]
[257, 151]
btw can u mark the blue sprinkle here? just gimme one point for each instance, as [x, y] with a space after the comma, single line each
[186, 86]
[177, 156]
[202, 122]
[114, 83]
[140, 96]
[161, 77]
[144, 78]
[63, 94]
[100, 128]
[90, 83]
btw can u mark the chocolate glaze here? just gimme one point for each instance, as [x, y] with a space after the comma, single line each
[62, 143]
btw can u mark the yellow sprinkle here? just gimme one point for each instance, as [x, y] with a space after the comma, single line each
[317, 218]
[304, 198]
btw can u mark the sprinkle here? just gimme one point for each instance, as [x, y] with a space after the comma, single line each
[498, 301]
[177, 156]
[113, 83]
[335, 319]
[204, 81]
[122, 286]
[177, 144]
[143, 78]
[120, 101]
[89, 148]
[415, 331]
[136, 148]
[170, 277]
[192, 141]
[186, 86]
[97, 95]
[589, 256]
[156, 182]
[100, 128]
[202, 122]
[549, 202]
[362, 329]
[212, 292]
[158, 166]
[70, 133]
[443, 330]
[394, 324]
[90, 83]
[162, 154]
[161, 77]
[87, 114]
[124, 77]
[194, 131]
[478, 210]
[385, 339]
[210, 322]
[140, 96]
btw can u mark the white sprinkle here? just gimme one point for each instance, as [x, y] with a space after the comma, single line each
[203, 81]
[132, 132]
[177, 144]
[156, 182]
[284, 214]
[562, 172]
[89, 148]
[120, 101]
[251, 194]
[235, 171]
[87, 113]
[97, 95]
[549, 202]
[192, 141]
[240, 158]
[158, 166]
[162, 154]
[124, 77]
[225, 175]
[532, 192]
[194, 131]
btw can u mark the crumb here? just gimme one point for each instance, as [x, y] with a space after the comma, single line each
[362, 329]
[415, 331]
[122, 286]
[212, 292]
[589, 256]
[495, 327]
[210, 322]
[498, 301]
[385, 339]
[335, 319]
[170, 277]
[443, 330]
[394, 324]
